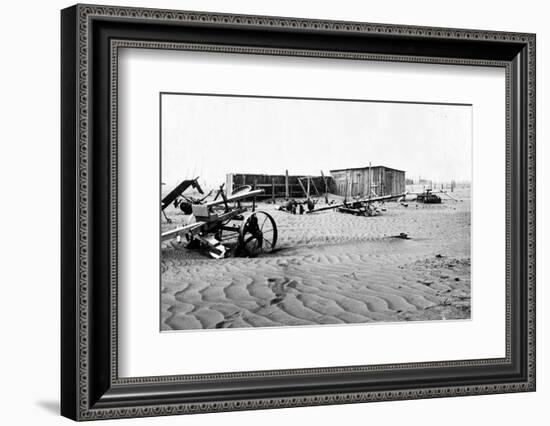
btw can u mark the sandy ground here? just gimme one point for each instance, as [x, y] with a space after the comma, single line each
[330, 268]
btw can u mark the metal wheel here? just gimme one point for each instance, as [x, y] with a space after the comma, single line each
[258, 234]
[186, 207]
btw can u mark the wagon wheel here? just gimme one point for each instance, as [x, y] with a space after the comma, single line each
[258, 234]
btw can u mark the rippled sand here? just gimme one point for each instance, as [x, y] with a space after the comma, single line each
[331, 268]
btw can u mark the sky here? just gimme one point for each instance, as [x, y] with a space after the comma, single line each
[209, 136]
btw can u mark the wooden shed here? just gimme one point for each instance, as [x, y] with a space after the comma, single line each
[281, 186]
[355, 182]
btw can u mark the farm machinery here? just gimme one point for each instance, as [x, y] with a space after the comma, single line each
[225, 226]
[361, 207]
[430, 197]
[181, 201]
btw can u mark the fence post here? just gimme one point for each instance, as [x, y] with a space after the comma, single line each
[286, 184]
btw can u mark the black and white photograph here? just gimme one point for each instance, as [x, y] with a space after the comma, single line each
[285, 211]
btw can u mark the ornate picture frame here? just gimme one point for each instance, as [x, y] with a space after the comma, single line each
[91, 37]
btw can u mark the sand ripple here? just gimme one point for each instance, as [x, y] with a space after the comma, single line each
[331, 268]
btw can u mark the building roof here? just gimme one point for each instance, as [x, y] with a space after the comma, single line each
[365, 168]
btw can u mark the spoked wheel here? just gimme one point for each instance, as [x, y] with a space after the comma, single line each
[258, 234]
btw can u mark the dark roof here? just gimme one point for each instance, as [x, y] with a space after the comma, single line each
[365, 168]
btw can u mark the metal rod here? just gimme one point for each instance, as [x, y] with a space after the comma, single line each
[224, 198]
[362, 202]
[326, 186]
[236, 197]
[315, 187]
[302, 186]
[254, 199]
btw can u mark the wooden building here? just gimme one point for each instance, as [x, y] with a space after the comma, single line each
[281, 186]
[355, 182]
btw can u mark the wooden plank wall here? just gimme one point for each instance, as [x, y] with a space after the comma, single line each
[383, 181]
[274, 185]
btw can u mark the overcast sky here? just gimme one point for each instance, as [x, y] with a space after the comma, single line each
[209, 136]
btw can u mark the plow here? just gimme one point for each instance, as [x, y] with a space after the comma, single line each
[225, 226]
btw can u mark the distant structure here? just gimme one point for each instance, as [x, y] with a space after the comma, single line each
[355, 182]
[352, 182]
[281, 186]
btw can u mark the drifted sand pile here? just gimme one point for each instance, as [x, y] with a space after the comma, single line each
[330, 268]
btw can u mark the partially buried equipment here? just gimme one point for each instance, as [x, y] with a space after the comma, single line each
[184, 202]
[428, 197]
[211, 227]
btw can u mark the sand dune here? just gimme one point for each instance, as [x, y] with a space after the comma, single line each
[331, 268]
